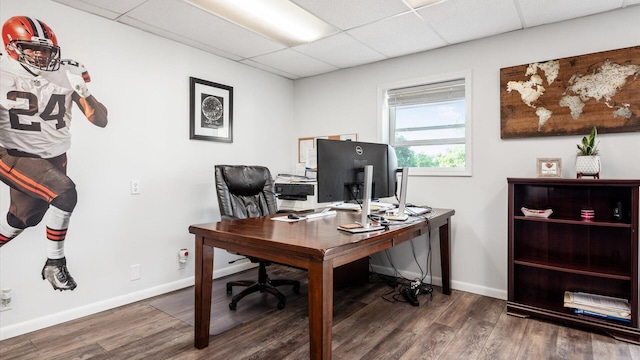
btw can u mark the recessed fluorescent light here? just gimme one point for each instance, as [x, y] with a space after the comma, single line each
[421, 3]
[279, 20]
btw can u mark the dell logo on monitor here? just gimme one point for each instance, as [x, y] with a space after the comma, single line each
[359, 150]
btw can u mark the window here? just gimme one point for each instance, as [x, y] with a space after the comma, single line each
[429, 125]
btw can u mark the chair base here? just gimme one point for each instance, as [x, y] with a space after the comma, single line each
[264, 284]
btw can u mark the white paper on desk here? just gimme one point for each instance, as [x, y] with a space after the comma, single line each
[286, 219]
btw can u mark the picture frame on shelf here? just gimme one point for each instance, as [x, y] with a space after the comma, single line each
[549, 167]
[210, 111]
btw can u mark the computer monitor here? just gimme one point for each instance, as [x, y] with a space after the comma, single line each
[341, 170]
[400, 214]
[355, 171]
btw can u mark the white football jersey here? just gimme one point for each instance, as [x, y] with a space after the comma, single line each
[35, 111]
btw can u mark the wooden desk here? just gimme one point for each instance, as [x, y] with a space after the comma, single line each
[315, 245]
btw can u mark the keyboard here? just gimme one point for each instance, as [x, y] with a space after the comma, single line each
[346, 206]
[415, 210]
[375, 206]
[317, 214]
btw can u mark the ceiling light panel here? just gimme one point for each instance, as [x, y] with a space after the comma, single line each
[186, 21]
[279, 20]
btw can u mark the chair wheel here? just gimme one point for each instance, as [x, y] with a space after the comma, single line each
[281, 305]
[232, 305]
[296, 289]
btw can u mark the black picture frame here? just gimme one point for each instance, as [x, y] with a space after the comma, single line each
[211, 111]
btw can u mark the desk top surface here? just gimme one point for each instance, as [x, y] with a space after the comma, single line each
[318, 236]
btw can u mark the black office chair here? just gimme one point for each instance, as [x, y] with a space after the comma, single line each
[247, 192]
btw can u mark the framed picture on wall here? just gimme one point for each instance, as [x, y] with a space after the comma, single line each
[211, 111]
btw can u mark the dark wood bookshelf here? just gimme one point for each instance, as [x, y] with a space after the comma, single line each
[548, 256]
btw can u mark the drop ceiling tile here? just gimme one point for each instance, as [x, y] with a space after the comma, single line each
[399, 35]
[179, 38]
[190, 22]
[539, 12]
[294, 62]
[341, 50]
[374, 29]
[463, 20]
[109, 9]
[269, 69]
[347, 14]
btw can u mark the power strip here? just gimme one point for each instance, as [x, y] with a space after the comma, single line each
[411, 295]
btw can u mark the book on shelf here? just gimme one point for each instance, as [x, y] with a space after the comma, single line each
[598, 305]
[603, 316]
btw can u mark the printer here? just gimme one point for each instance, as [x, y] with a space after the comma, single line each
[294, 191]
[296, 196]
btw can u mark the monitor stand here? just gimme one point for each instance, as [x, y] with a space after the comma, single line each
[365, 224]
[400, 214]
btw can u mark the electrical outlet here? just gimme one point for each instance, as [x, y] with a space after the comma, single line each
[181, 264]
[6, 299]
[135, 272]
[182, 258]
[135, 187]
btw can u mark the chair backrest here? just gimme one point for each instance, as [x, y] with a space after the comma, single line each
[245, 191]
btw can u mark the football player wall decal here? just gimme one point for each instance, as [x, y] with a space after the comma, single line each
[37, 92]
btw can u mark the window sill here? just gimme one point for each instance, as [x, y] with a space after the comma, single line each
[415, 171]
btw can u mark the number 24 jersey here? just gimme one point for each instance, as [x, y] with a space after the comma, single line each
[35, 111]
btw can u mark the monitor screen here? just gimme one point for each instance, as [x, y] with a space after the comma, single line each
[341, 170]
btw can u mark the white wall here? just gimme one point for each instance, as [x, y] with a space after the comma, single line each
[347, 102]
[144, 82]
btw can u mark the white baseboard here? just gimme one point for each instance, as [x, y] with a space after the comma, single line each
[234, 268]
[90, 309]
[480, 290]
[410, 275]
[458, 285]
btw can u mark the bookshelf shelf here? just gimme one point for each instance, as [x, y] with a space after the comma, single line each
[595, 272]
[575, 221]
[548, 256]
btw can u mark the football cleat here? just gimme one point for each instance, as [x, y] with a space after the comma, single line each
[55, 270]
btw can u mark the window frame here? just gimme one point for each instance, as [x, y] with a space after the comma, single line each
[386, 133]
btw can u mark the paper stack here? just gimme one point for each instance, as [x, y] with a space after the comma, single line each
[598, 305]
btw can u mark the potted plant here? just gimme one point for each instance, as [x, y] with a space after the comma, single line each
[588, 160]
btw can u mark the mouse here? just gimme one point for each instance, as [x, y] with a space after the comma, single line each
[293, 216]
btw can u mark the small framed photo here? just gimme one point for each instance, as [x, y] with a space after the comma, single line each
[211, 111]
[549, 167]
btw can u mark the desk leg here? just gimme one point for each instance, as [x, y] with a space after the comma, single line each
[203, 288]
[445, 256]
[320, 309]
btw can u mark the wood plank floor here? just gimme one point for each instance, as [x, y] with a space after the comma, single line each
[368, 324]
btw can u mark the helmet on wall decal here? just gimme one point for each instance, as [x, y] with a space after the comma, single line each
[32, 43]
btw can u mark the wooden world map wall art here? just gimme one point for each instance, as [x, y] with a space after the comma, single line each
[571, 95]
